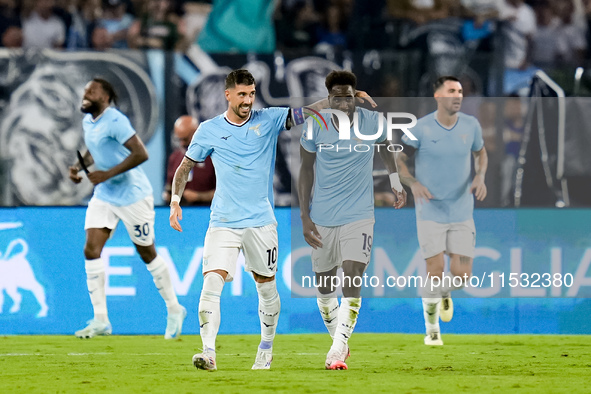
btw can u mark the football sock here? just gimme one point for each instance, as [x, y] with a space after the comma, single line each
[95, 280]
[269, 307]
[347, 318]
[328, 304]
[431, 293]
[209, 309]
[161, 276]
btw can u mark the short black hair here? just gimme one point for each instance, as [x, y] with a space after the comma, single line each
[239, 77]
[108, 88]
[340, 78]
[441, 80]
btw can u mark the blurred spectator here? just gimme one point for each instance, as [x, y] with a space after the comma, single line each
[158, 27]
[297, 22]
[545, 40]
[239, 26]
[42, 28]
[196, 14]
[200, 187]
[101, 40]
[82, 16]
[332, 33]
[520, 27]
[571, 36]
[480, 15]
[12, 37]
[421, 11]
[116, 21]
[11, 34]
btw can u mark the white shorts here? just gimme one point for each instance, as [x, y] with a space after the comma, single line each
[137, 217]
[351, 241]
[457, 238]
[259, 245]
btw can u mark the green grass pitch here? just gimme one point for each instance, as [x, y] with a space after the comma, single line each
[379, 363]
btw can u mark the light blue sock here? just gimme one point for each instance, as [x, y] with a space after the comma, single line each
[266, 345]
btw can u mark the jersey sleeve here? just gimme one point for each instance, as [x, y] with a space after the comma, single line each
[308, 142]
[278, 116]
[200, 146]
[376, 119]
[121, 129]
[478, 142]
[416, 131]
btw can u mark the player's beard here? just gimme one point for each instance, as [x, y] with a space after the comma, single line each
[91, 108]
[242, 106]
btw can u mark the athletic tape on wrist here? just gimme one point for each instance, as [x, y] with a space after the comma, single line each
[175, 198]
[395, 182]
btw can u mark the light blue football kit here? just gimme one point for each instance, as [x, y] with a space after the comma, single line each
[343, 190]
[244, 161]
[443, 165]
[105, 138]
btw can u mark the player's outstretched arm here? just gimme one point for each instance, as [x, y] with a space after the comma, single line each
[389, 159]
[478, 186]
[76, 168]
[359, 94]
[138, 154]
[305, 183]
[179, 182]
[299, 115]
[419, 191]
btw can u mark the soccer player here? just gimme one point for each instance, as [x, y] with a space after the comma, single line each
[122, 192]
[442, 188]
[338, 222]
[241, 143]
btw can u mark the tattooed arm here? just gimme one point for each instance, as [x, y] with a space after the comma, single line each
[178, 186]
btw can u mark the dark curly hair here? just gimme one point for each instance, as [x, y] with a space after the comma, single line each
[340, 78]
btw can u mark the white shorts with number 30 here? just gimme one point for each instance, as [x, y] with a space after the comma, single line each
[351, 241]
[137, 217]
[259, 245]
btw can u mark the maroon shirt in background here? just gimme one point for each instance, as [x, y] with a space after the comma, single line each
[202, 176]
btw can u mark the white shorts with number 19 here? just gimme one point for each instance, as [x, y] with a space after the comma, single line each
[137, 217]
[259, 245]
[351, 241]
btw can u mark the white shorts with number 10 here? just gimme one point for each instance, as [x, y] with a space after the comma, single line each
[351, 241]
[259, 245]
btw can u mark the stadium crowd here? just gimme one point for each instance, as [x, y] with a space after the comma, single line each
[554, 31]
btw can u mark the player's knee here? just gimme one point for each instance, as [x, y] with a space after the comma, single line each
[352, 292]
[262, 279]
[466, 272]
[92, 251]
[147, 253]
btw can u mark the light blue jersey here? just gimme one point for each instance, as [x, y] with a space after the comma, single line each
[244, 161]
[343, 187]
[104, 138]
[443, 165]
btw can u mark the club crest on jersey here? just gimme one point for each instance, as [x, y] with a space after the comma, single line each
[256, 129]
[464, 136]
